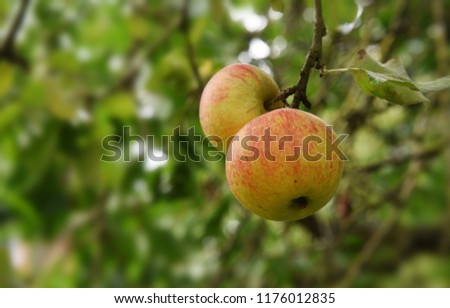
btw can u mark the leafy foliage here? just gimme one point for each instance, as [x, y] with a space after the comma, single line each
[389, 81]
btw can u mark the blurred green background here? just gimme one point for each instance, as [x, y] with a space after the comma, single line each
[75, 71]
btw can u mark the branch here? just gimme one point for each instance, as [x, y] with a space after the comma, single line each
[443, 60]
[399, 21]
[230, 247]
[184, 26]
[136, 58]
[395, 160]
[313, 58]
[381, 232]
[7, 48]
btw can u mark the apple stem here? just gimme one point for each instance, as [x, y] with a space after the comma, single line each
[281, 97]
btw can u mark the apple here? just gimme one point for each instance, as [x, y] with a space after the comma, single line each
[235, 95]
[281, 165]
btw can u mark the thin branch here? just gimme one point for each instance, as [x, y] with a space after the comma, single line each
[148, 52]
[313, 58]
[227, 250]
[7, 48]
[136, 58]
[380, 233]
[443, 60]
[368, 250]
[8, 44]
[395, 160]
[399, 21]
[185, 25]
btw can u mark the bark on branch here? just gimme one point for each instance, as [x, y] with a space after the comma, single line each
[313, 58]
[7, 48]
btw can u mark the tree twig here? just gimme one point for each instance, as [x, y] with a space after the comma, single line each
[7, 48]
[313, 58]
[443, 60]
[421, 155]
[399, 20]
[380, 233]
[184, 26]
[227, 250]
[136, 58]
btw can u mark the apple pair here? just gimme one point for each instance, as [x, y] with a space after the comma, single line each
[278, 164]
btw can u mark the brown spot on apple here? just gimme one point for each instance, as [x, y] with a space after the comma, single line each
[300, 202]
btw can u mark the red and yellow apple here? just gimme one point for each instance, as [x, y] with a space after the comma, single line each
[235, 95]
[281, 165]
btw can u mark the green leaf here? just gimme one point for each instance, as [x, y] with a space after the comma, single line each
[389, 81]
[395, 90]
